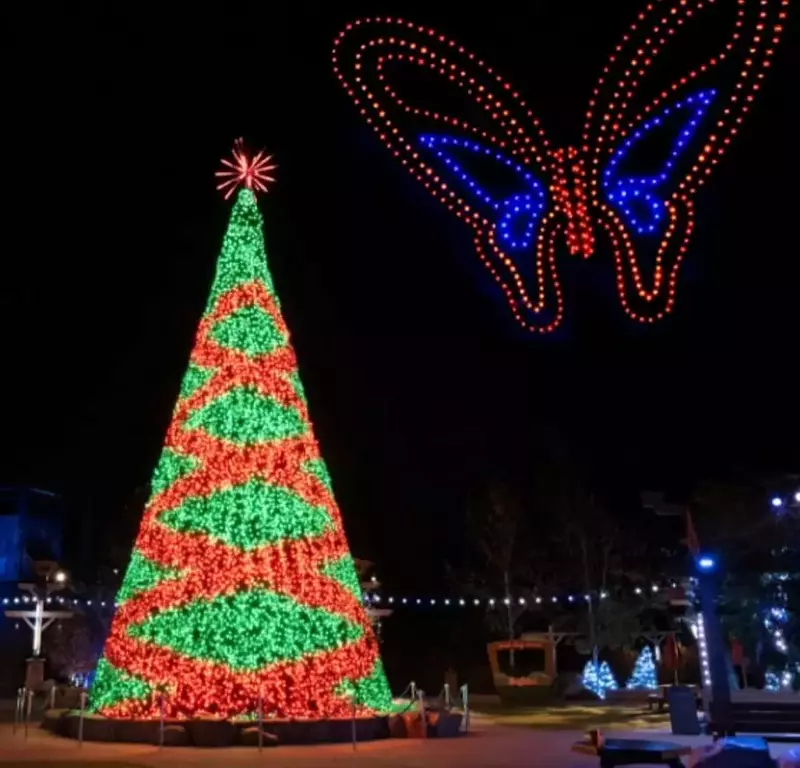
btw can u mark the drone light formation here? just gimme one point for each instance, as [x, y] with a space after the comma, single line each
[577, 196]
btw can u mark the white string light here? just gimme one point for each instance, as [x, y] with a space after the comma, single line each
[373, 597]
[700, 633]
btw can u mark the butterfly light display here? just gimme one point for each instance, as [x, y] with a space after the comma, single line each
[582, 195]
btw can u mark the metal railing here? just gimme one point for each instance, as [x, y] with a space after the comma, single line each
[416, 696]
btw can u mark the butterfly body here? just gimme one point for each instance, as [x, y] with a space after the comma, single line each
[570, 196]
[629, 183]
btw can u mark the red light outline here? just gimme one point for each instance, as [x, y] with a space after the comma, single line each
[573, 172]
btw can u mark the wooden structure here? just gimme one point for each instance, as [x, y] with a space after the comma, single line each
[537, 685]
[38, 618]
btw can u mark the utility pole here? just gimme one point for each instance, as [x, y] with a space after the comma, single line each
[714, 658]
[39, 618]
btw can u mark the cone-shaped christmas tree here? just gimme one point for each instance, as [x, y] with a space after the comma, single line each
[598, 678]
[241, 584]
[644, 671]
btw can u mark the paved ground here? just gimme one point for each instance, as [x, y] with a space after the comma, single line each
[488, 746]
[577, 717]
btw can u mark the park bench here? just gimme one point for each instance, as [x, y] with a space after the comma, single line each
[614, 752]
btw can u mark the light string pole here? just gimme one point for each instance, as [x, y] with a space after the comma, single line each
[720, 709]
[784, 504]
[50, 579]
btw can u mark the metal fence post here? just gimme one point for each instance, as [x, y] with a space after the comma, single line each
[354, 723]
[27, 703]
[162, 714]
[260, 722]
[80, 721]
[18, 711]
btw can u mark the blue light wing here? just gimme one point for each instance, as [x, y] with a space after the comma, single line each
[516, 215]
[641, 200]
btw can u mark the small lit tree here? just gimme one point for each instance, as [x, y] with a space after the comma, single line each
[598, 678]
[644, 674]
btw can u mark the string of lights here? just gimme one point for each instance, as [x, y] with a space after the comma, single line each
[374, 598]
[699, 631]
[574, 191]
[776, 617]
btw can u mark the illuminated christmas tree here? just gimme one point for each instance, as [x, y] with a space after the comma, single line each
[644, 671]
[598, 678]
[241, 584]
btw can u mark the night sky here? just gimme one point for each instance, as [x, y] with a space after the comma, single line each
[421, 387]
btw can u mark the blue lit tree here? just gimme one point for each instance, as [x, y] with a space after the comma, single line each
[644, 674]
[598, 678]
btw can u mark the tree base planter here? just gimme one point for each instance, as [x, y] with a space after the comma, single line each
[216, 733]
[406, 725]
[444, 725]
[211, 733]
[440, 725]
[249, 738]
[175, 736]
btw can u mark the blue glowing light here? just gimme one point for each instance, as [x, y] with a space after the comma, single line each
[518, 214]
[644, 675]
[598, 678]
[777, 501]
[779, 613]
[638, 198]
[706, 563]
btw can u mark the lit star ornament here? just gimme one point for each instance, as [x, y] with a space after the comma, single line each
[246, 171]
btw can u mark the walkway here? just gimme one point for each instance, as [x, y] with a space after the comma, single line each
[490, 746]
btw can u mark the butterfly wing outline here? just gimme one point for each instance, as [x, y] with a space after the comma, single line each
[436, 147]
[647, 214]
[649, 217]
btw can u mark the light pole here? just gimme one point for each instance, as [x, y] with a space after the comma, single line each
[783, 505]
[38, 619]
[713, 654]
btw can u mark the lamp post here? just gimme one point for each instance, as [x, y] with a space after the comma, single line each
[38, 619]
[713, 654]
[786, 504]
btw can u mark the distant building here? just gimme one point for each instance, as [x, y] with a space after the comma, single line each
[30, 529]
